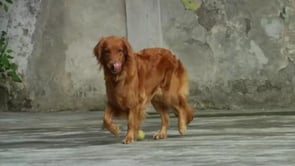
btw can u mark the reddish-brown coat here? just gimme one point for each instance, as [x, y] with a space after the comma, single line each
[134, 79]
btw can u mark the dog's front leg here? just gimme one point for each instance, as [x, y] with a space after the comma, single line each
[132, 127]
[108, 122]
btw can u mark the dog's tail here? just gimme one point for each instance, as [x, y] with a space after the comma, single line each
[184, 83]
[184, 91]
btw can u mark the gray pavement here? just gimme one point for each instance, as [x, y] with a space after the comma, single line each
[76, 138]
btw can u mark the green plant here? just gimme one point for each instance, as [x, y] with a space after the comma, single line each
[8, 69]
[5, 4]
[192, 5]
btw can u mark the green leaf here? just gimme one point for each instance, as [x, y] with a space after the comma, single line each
[1, 43]
[9, 1]
[9, 57]
[3, 33]
[1, 58]
[14, 76]
[9, 51]
[5, 8]
[191, 4]
[5, 61]
[13, 66]
[3, 48]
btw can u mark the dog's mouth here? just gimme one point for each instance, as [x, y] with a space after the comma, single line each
[116, 67]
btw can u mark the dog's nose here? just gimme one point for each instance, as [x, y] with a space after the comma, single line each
[116, 67]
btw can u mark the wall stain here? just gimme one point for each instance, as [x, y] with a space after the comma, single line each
[268, 86]
[247, 25]
[207, 17]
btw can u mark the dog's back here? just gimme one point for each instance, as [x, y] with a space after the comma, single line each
[164, 78]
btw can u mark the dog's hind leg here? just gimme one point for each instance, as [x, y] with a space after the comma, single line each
[185, 114]
[163, 110]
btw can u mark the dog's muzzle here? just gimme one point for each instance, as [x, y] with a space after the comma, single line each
[116, 67]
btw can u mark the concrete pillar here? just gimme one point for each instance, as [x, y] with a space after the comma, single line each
[143, 23]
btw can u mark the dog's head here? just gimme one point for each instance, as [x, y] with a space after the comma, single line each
[112, 53]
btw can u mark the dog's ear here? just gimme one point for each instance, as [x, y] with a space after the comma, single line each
[128, 51]
[98, 50]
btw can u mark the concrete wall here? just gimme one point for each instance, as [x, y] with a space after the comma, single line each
[60, 71]
[239, 53]
[63, 74]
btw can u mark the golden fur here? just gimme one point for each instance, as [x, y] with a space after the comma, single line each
[135, 79]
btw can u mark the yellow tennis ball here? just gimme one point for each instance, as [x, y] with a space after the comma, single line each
[140, 135]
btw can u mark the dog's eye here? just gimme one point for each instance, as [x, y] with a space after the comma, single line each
[107, 52]
[120, 50]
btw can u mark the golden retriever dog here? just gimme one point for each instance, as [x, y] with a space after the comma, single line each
[133, 80]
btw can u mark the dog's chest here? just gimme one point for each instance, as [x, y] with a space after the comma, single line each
[123, 98]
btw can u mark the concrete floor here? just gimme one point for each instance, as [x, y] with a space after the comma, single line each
[76, 138]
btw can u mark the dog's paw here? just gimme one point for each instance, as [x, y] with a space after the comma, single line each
[182, 129]
[115, 130]
[128, 140]
[160, 135]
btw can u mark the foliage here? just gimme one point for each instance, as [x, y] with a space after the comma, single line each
[191, 4]
[8, 69]
[4, 4]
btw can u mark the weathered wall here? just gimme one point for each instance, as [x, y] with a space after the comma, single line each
[63, 73]
[239, 53]
[20, 23]
[60, 71]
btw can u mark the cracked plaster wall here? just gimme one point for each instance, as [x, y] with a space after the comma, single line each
[53, 43]
[239, 53]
